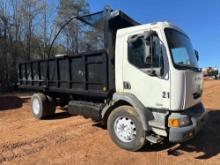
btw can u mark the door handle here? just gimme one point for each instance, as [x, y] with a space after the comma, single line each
[127, 85]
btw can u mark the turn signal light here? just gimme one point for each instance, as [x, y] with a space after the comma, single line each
[179, 122]
[174, 123]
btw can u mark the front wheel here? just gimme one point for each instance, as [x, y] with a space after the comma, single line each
[126, 129]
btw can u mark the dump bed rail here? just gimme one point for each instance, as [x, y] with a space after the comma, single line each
[82, 74]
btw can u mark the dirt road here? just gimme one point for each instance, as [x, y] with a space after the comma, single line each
[65, 139]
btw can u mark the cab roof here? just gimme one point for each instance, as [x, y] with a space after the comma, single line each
[154, 25]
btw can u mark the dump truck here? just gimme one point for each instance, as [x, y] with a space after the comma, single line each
[142, 82]
[211, 72]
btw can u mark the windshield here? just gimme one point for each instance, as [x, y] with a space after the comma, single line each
[183, 54]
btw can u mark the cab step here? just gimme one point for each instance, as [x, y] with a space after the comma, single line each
[154, 139]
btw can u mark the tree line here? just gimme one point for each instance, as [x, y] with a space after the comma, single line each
[27, 28]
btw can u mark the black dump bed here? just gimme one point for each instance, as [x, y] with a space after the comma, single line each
[85, 71]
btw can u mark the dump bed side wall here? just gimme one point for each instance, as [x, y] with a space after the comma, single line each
[85, 74]
[91, 74]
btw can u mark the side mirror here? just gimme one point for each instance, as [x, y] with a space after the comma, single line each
[148, 48]
[147, 55]
[197, 55]
[153, 53]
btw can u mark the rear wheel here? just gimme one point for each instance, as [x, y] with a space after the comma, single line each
[52, 105]
[42, 106]
[126, 129]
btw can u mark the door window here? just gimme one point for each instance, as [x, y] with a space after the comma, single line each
[137, 52]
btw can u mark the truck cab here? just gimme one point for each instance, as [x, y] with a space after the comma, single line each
[156, 65]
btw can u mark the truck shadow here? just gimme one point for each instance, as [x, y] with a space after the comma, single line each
[59, 115]
[12, 102]
[207, 142]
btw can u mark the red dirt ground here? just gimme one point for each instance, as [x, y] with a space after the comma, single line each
[65, 139]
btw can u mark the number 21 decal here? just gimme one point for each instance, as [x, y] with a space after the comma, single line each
[166, 95]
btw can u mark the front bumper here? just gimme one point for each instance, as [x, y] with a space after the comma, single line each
[198, 117]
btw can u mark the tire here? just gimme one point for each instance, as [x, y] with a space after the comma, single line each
[52, 105]
[40, 106]
[119, 119]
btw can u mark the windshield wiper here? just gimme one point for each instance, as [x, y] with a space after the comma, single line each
[180, 66]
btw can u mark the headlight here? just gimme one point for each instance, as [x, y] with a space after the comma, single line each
[180, 122]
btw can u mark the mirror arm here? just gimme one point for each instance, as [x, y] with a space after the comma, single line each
[152, 72]
[151, 51]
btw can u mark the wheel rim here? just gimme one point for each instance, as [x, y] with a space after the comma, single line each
[36, 106]
[125, 129]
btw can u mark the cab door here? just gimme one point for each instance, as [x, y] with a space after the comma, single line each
[146, 70]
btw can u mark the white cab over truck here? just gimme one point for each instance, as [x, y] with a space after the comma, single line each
[145, 85]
